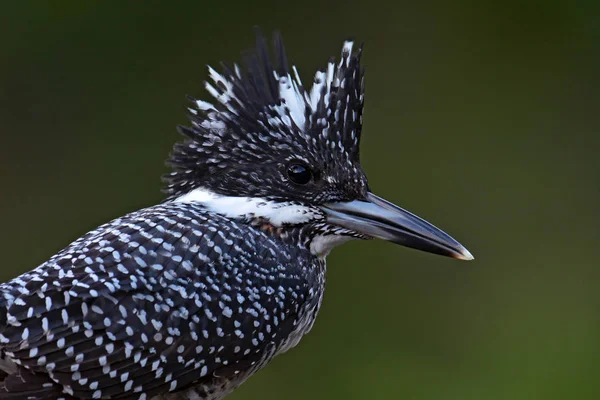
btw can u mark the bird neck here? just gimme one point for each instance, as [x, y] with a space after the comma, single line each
[289, 222]
[244, 208]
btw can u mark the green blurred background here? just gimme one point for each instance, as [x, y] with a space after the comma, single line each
[482, 117]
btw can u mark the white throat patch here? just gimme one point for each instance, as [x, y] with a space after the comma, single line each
[277, 213]
[321, 245]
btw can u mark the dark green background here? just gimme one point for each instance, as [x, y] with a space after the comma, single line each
[480, 116]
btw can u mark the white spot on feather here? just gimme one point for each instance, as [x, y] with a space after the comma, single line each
[346, 51]
[290, 94]
[316, 91]
[204, 105]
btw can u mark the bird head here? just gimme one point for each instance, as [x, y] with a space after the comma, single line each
[271, 151]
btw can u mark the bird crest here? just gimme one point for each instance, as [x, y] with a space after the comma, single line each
[263, 114]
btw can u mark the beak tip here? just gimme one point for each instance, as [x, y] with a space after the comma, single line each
[464, 255]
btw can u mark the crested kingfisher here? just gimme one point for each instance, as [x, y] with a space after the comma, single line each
[189, 298]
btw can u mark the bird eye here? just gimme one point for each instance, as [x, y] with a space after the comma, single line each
[299, 174]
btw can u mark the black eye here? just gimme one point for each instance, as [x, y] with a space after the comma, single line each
[299, 174]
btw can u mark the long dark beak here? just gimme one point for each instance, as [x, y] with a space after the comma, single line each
[381, 219]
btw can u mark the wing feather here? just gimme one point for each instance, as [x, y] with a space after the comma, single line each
[153, 302]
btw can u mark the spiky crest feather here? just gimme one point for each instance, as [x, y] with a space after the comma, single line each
[265, 109]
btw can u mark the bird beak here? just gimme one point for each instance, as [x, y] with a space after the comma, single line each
[381, 219]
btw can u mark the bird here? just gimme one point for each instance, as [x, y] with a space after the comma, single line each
[188, 298]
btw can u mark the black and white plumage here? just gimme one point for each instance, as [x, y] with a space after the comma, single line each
[187, 299]
[266, 110]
